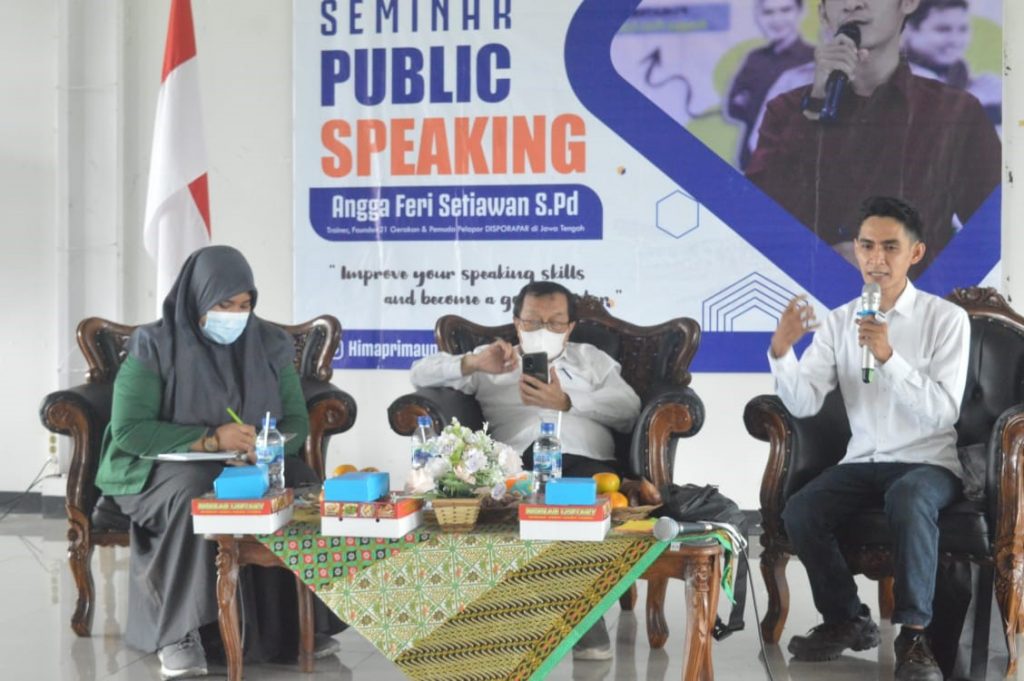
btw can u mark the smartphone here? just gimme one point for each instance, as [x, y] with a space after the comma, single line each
[536, 364]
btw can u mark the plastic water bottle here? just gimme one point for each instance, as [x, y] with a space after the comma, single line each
[424, 431]
[547, 456]
[270, 453]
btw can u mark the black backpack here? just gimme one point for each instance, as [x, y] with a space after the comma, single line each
[695, 503]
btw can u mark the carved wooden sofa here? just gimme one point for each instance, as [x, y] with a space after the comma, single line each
[990, 533]
[82, 412]
[655, 362]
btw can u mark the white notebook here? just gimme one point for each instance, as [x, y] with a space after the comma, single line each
[197, 456]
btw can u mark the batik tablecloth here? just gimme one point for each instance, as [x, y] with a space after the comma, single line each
[476, 606]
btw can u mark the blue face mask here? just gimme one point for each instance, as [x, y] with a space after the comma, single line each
[225, 327]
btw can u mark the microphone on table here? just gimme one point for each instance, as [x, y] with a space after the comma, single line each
[870, 299]
[667, 528]
[837, 80]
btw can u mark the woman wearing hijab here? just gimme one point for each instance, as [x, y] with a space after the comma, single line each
[207, 353]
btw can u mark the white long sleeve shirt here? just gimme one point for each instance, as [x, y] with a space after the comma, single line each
[908, 412]
[601, 399]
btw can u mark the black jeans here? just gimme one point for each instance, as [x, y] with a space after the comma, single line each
[913, 495]
[576, 465]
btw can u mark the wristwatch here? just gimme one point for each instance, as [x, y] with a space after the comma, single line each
[811, 106]
[211, 443]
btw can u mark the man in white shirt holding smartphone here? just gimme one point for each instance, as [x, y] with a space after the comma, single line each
[584, 384]
[902, 448]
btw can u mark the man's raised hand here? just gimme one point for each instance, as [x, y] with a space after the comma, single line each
[497, 358]
[797, 319]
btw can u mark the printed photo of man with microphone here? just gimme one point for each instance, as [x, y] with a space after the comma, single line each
[899, 357]
[867, 125]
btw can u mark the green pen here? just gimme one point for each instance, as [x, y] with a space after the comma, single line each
[234, 417]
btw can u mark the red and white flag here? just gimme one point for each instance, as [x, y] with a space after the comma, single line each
[177, 200]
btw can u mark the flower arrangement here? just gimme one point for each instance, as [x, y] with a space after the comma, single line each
[464, 463]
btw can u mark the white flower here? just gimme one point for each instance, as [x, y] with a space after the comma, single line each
[437, 467]
[510, 461]
[498, 491]
[419, 481]
[473, 460]
[464, 475]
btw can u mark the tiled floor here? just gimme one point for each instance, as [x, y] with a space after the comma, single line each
[37, 595]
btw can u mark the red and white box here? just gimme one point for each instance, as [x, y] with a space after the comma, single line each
[264, 515]
[389, 518]
[584, 522]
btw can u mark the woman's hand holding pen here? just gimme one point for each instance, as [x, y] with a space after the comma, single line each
[238, 437]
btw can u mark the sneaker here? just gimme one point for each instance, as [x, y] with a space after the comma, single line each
[594, 645]
[914, 659]
[827, 641]
[184, 658]
[324, 646]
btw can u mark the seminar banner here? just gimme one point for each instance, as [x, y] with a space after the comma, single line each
[654, 154]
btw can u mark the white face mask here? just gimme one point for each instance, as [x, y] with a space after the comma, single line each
[542, 340]
[224, 327]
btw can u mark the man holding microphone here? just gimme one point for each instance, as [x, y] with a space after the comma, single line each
[902, 447]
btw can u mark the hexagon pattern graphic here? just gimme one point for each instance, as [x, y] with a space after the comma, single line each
[754, 303]
[677, 214]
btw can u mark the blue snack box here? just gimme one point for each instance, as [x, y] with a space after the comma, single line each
[570, 492]
[241, 482]
[357, 487]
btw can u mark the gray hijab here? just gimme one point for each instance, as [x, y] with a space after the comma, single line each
[202, 378]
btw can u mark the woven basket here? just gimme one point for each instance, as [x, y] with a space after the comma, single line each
[457, 515]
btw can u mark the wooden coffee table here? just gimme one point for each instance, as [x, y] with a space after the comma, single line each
[699, 566]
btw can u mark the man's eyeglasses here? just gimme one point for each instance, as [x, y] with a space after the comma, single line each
[536, 325]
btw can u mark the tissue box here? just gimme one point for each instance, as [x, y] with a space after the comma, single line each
[570, 492]
[357, 487]
[241, 482]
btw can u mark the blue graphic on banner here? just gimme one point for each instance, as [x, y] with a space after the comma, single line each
[480, 212]
[679, 19]
[383, 348]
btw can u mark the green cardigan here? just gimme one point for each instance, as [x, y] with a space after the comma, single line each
[135, 427]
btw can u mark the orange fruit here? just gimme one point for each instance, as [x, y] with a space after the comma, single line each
[618, 500]
[343, 469]
[606, 483]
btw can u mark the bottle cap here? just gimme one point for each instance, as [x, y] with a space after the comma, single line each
[547, 428]
[424, 421]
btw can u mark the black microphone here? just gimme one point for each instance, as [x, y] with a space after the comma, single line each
[667, 529]
[837, 80]
[870, 299]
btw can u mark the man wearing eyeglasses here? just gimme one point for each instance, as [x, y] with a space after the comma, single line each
[584, 383]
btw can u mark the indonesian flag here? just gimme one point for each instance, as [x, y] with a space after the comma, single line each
[177, 200]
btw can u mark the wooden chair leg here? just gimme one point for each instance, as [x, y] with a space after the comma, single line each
[657, 627]
[306, 625]
[628, 600]
[773, 571]
[886, 600]
[1009, 567]
[80, 560]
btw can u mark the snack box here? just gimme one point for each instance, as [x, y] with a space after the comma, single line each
[388, 518]
[359, 486]
[560, 530]
[241, 482]
[261, 515]
[570, 491]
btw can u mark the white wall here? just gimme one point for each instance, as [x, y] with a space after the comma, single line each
[244, 65]
[28, 199]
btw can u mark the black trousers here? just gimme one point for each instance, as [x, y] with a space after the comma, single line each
[576, 465]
